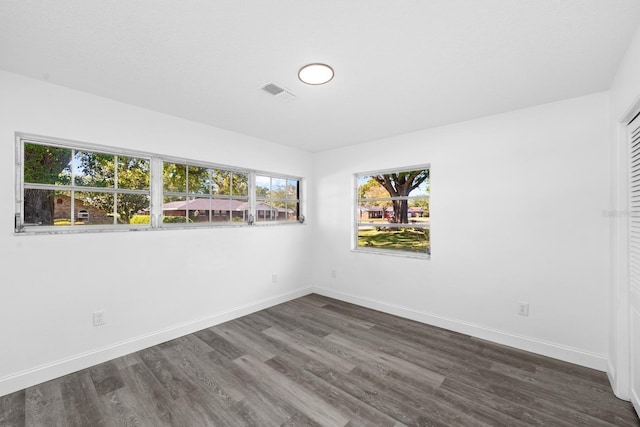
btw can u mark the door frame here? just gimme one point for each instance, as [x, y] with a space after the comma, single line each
[619, 365]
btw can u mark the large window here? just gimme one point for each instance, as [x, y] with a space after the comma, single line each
[392, 212]
[62, 185]
[69, 187]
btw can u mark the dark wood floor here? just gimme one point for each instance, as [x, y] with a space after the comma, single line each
[318, 361]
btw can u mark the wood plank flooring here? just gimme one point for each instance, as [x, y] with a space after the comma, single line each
[315, 361]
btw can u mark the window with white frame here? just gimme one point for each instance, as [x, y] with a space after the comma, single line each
[199, 194]
[392, 212]
[277, 198]
[71, 186]
[68, 186]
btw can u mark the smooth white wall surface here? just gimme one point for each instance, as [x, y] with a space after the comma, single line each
[152, 284]
[624, 101]
[518, 205]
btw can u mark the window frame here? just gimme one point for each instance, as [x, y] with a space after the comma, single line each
[155, 192]
[200, 164]
[20, 227]
[299, 216]
[356, 213]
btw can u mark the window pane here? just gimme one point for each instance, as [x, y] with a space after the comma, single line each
[46, 165]
[421, 190]
[396, 184]
[419, 210]
[240, 210]
[199, 209]
[93, 208]
[174, 177]
[369, 188]
[278, 211]
[199, 180]
[174, 210]
[131, 204]
[265, 212]
[292, 189]
[292, 211]
[263, 186]
[94, 169]
[222, 210]
[229, 210]
[278, 188]
[44, 207]
[375, 212]
[221, 182]
[405, 239]
[240, 184]
[133, 173]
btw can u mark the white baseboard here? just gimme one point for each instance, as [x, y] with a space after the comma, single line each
[635, 400]
[534, 345]
[611, 374]
[58, 368]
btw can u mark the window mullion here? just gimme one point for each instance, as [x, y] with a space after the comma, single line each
[19, 213]
[155, 210]
[252, 198]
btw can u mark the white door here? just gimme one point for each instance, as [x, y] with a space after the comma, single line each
[634, 259]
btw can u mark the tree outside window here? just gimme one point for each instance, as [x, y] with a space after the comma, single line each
[393, 212]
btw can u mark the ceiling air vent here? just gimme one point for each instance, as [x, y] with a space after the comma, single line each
[278, 92]
[272, 89]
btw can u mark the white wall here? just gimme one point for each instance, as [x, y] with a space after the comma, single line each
[517, 209]
[624, 101]
[518, 203]
[154, 285]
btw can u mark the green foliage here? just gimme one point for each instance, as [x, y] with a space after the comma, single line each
[175, 219]
[95, 169]
[46, 165]
[181, 178]
[140, 219]
[371, 188]
[99, 170]
[279, 188]
[262, 192]
[146, 219]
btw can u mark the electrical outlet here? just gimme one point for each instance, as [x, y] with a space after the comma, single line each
[274, 278]
[523, 309]
[99, 318]
[333, 274]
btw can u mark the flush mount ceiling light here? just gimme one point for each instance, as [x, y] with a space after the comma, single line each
[315, 74]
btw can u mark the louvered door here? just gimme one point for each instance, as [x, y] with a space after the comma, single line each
[634, 259]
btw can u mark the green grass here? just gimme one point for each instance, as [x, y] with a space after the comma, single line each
[64, 221]
[405, 239]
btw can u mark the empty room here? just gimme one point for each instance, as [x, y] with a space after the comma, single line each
[332, 213]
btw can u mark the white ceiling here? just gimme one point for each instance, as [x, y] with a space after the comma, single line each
[400, 65]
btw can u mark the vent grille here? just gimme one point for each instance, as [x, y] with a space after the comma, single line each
[272, 89]
[277, 92]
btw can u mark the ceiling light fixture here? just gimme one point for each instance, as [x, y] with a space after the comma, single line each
[315, 74]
